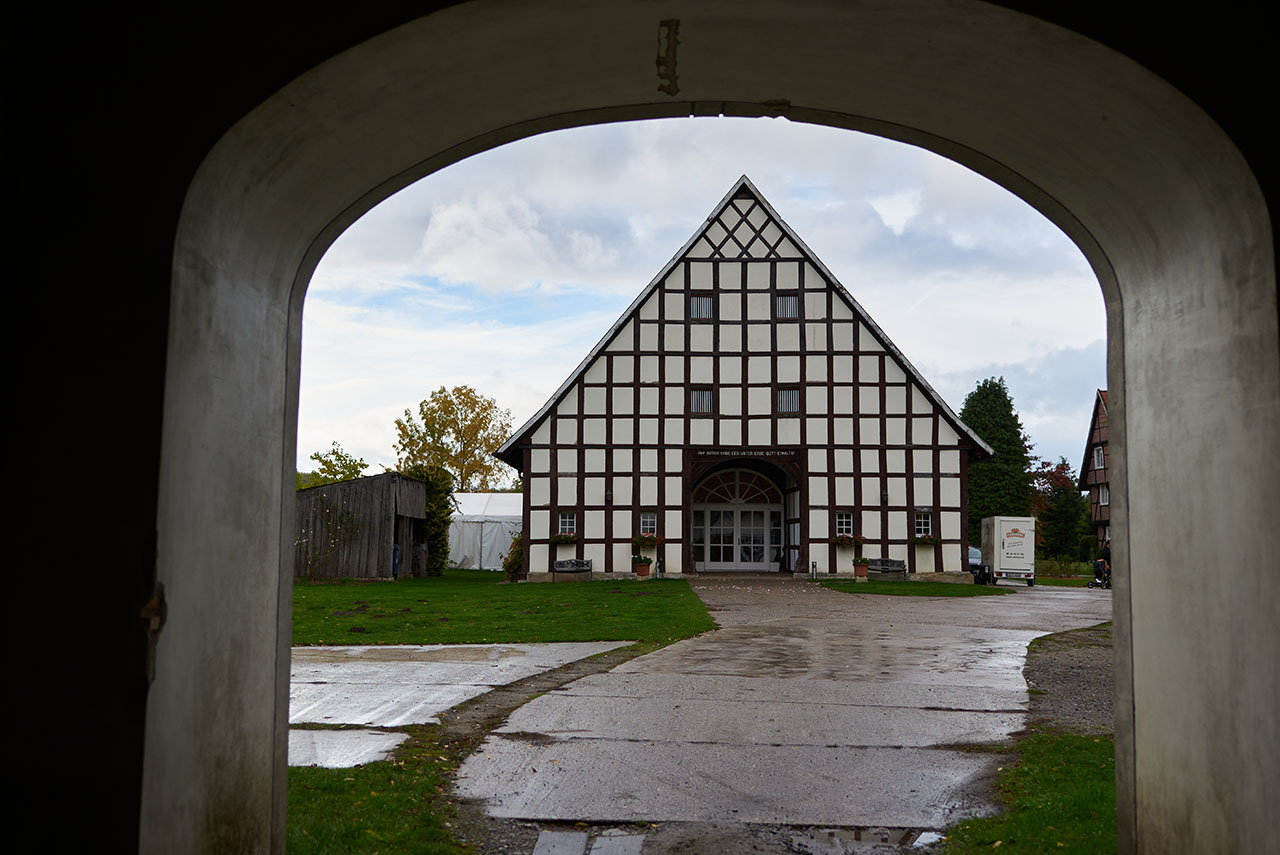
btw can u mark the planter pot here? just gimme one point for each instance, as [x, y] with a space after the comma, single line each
[860, 571]
[641, 570]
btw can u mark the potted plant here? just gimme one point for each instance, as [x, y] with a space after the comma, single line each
[860, 568]
[926, 540]
[640, 565]
[562, 539]
[646, 541]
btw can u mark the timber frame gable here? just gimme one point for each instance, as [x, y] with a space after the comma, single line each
[1095, 478]
[748, 411]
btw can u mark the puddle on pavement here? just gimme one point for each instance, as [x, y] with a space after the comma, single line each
[406, 654]
[861, 841]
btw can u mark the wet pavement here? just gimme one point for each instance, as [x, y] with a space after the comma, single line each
[395, 685]
[809, 707]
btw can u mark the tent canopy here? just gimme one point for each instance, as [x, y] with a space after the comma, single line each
[481, 528]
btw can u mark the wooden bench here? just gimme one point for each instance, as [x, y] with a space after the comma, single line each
[572, 567]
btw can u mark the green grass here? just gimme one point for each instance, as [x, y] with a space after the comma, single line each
[1062, 567]
[1064, 581]
[1059, 796]
[397, 805]
[917, 589]
[473, 606]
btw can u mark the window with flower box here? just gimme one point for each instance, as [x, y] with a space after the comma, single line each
[844, 523]
[568, 523]
[648, 522]
[924, 523]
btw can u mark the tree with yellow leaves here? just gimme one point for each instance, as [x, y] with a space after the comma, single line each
[457, 430]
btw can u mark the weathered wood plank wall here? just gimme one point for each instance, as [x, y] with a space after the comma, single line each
[349, 529]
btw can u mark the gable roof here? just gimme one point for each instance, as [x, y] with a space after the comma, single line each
[751, 238]
[1099, 403]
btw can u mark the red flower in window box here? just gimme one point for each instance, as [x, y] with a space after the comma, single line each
[848, 541]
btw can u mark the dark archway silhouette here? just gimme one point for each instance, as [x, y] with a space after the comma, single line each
[1159, 198]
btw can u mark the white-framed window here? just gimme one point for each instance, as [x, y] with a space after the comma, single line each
[702, 400]
[1104, 495]
[924, 523]
[702, 307]
[1099, 457]
[648, 522]
[789, 400]
[568, 523]
[787, 307]
[844, 523]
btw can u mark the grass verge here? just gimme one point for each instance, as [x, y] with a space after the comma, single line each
[396, 806]
[1060, 797]
[1064, 581]
[475, 606]
[916, 589]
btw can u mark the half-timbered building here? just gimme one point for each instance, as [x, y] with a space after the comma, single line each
[748, 414]
[1094, 477]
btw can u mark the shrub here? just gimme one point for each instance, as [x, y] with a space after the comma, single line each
[513, 560]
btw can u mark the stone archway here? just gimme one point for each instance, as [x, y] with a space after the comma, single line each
[1172, 222]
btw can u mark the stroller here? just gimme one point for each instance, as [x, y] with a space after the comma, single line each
[1101, 575]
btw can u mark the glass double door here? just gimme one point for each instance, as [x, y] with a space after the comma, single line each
[743, 537]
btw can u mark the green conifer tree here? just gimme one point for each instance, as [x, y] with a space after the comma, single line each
[1000, 486]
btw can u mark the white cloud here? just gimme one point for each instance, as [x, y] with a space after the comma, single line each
[897, 209]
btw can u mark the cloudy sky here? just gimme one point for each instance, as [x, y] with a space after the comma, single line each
[503, 271]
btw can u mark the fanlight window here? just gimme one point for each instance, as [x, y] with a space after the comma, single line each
[737, 486]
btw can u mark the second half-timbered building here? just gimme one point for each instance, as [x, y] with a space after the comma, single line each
[1094, 469]
[748, 414]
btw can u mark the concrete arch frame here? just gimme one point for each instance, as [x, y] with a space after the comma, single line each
[1157, 196]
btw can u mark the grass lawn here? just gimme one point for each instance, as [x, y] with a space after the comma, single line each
[917, 589]
[1060, 796]
[1064, 581]
[394, 806]
[474, 606]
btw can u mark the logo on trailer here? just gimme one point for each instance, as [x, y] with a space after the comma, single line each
[1016, 532]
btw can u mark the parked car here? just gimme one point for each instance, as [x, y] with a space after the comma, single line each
[981, 575]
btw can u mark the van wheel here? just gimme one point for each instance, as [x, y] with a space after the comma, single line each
[1030, 582]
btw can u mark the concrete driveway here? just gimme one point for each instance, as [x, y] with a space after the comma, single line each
[807, 707]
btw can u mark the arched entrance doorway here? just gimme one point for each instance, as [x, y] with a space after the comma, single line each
[1173, 223]
[737, 520]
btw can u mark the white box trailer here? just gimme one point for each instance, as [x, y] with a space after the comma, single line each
[1009, 548]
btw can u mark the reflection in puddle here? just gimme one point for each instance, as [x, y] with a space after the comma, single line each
[861, 841]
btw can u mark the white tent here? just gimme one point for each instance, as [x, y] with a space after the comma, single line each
[481, 528]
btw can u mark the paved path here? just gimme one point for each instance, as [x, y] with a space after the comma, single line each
[395, 685]
[808, 707]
